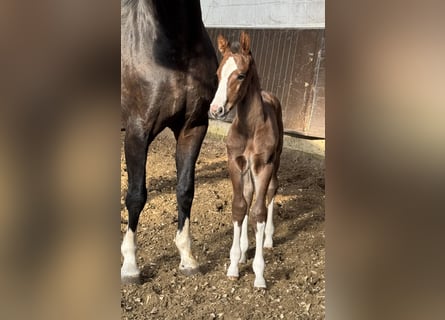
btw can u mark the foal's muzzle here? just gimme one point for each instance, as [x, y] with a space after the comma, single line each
[217, 112]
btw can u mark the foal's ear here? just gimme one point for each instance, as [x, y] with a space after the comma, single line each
[222, 43]
[244, 41]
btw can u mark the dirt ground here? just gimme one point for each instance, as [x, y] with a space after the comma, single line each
[294, 267]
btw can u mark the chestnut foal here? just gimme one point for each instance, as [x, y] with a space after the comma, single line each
[254, 145]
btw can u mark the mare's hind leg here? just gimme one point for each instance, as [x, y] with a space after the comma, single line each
[135, 156]
[188, 145]
[269, 230]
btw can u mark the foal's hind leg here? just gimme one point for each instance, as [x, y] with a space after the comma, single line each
[135, 155]
[187, 150]
[269, 230]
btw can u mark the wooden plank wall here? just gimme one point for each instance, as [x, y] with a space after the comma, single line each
[291, 64]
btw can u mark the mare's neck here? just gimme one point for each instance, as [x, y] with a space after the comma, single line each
[177, 16]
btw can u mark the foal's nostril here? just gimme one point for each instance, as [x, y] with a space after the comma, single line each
[213, 109]
[220, 111]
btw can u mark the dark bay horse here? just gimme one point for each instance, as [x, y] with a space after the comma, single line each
[254, 145]
[168, 79]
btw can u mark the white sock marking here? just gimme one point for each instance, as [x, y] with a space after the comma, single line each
[244, 240]
[258, 261]
[235, 252]
[128, 250]
[220, 98]
[268, 241]
[184, 245]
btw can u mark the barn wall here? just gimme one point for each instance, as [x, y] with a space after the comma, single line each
[263, 13]
[290, 64]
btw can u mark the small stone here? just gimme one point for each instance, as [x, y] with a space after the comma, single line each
[219, 205]
[154, 310]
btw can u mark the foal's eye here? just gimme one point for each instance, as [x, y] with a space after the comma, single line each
[241, 76]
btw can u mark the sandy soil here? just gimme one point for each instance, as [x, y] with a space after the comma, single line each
[294, 267]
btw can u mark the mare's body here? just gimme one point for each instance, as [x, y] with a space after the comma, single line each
[168, 78]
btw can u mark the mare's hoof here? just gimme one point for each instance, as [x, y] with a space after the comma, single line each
[232, 278]
[131, 279]
[190, 271]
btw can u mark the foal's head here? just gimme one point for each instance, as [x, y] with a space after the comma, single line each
[233, 75]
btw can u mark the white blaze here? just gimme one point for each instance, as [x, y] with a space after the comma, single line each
[220, 98]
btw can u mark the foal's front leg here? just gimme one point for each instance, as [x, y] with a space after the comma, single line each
[239, 210]
[248, 195]
[262, 174]
[269, 230]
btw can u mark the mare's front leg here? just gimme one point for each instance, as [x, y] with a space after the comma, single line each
[239, 217]
[188, 145]
[262, 173]
[136, 145]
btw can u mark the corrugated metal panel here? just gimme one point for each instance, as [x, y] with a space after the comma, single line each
[290, 64]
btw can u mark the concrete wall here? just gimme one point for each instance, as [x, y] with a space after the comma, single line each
[264, 13]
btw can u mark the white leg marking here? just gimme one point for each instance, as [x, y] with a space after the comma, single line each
[184, 245]
[258, 261]
[221, 93]
[235, 252]
[244, 240]
[268, 241]
[128, 248]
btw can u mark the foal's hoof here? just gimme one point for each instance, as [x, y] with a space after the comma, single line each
[268, 245]
[232, 278]
[189, 271]
[131, 279]
[260, 284]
